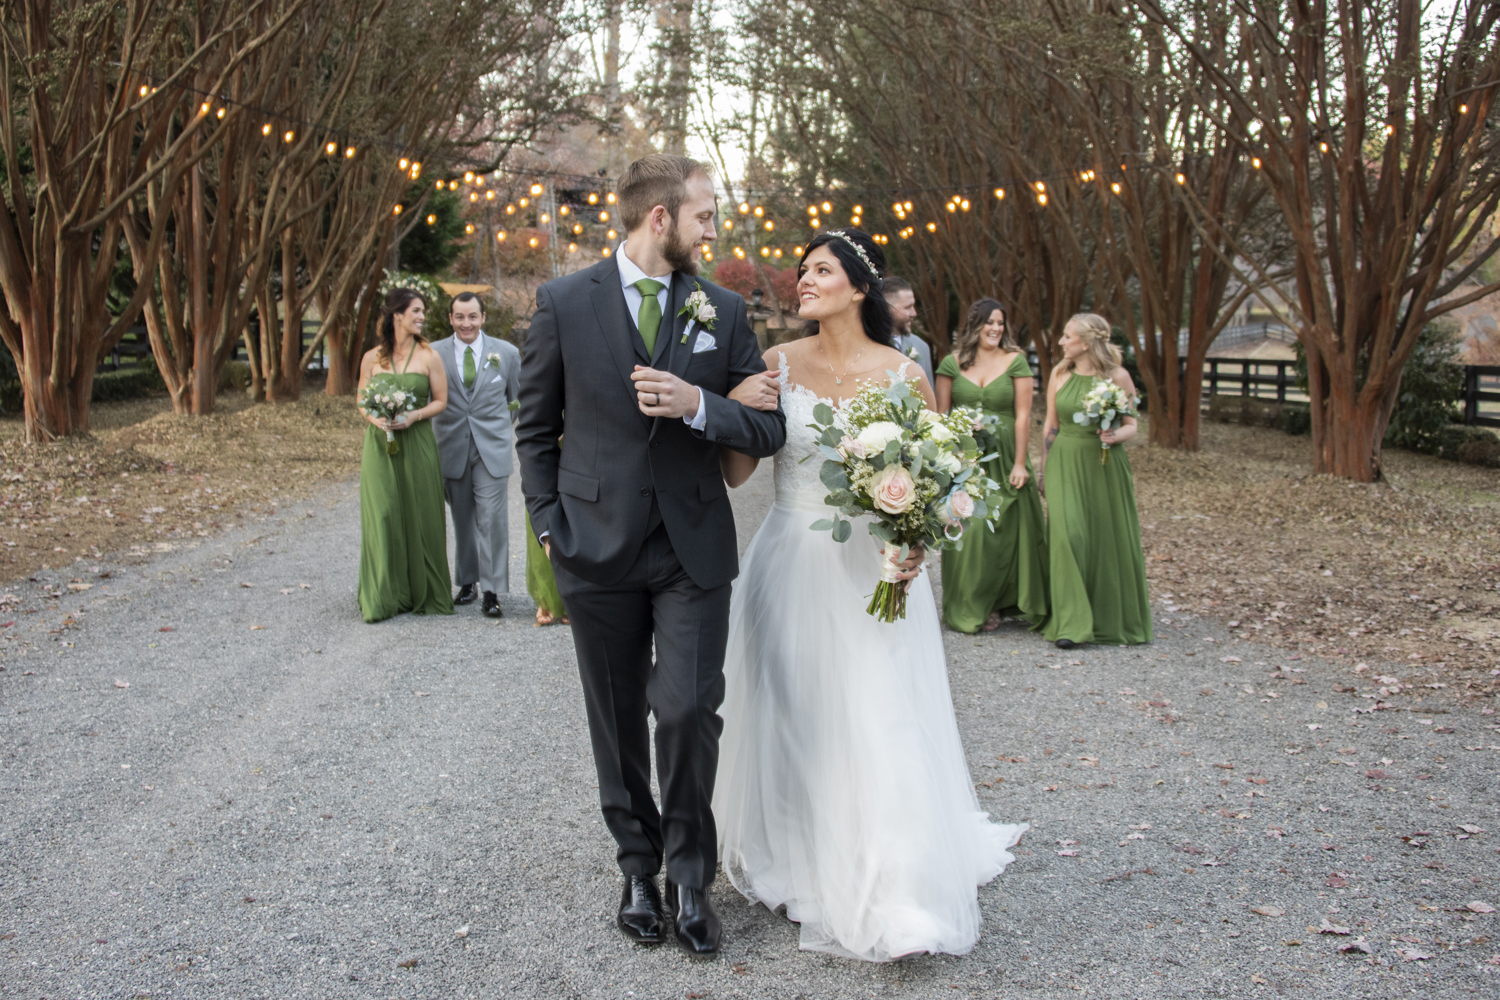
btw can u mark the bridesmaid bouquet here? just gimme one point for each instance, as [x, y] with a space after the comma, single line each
[918, 472]
[1106, 406]
[384, 398]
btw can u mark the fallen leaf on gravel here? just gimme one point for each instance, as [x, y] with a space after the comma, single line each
[1230, 659]
[1135, 836]
[165, 628]
[1336, 882]
[1066, 843]
[249, 899]
[305, 586]
[1470, 828]
[1258, 781]
[257, 628]
[286, 590]
[1258, 979]
[740, 969]
[249, 586]
[1329, 927]
[1227, 767]
[1358, 944]
[1478, 907]
[1127, 691]
[1292, 944]
[1376, 772]
[1070, 853]
[1268, 911]
[462, 932]
[410, 963]
[1050, 788]
[1143, 826]
[122, 684]
[1412, 955]
[1191, 849]
[80, 586]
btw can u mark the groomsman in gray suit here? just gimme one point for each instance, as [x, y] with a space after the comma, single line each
[474, 444]
[903, 303]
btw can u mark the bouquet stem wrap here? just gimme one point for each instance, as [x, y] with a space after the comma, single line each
[889, 602]
[391, 447]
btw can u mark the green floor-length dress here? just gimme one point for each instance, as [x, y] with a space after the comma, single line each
[1004, 570]
[403, 552]
[1096, 566]
[540, 583]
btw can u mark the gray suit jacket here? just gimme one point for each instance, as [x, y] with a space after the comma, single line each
[906, 343]
[593, 492]
[480, 414]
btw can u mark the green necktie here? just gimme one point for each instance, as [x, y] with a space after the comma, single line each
[649, 317]
[469, 367]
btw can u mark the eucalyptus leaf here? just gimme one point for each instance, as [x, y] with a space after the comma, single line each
[841, 531]
[831, 454]
[822, 524]
[823, 413]
[833, 476]
[892, 451]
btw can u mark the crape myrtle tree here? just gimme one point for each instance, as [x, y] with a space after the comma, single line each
[1372, 126]
[80, 138]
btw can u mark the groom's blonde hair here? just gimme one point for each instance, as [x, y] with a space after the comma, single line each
[656, 179]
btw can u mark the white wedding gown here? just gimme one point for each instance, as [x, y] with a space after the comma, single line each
[842, 790]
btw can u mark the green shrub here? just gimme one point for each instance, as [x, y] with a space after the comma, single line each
[1296, 418]
[1430, 386]
[133, 382]
[234, 375]
[1470, 445]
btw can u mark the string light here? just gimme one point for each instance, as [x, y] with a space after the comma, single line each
[908, 206]
[1463, 109]
[221, 113]
[453, 185]
[145, 90]
[765, 251]
[469, 229]
[739, 252]
[572, 248]
[396, 210]
[1390, 130]
[859, 210]
[812, 210]
[605, 251]
[932, 227]
[999, 194]
[203, 109]
[289, 136]
[546, 218]
[536, 189]
[1115, 187]
[331, 148]
[524, 203]
[1041, 186]
[265, 129]
[816, 223]
[797, 251]
[827, 207]
[952, 207]
[610, 197]
[593, 198]
[489, 195]
[403, 163]
[770, 225]
[577, 229]
[744, 208]
[853, 220]
[439, 185]
[776, 253]
[510, 210]
[473, 195]
[432, 220]
[759, 211]
[728, 225]
[500, 236]
[1181, 179]
[611, 234]
[603, 216]
[1255, 162]
[965, 204]
[563, 210]
[1041, 199]
[1323, 146]
[532, 241]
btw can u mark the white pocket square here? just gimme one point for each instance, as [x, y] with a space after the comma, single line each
[705, 342]
[496, 379]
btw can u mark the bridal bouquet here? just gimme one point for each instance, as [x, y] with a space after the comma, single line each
[384, 398]
[919, 473]
[1106, 406]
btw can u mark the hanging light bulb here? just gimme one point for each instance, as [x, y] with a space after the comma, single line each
[1115, 187]
[858, 210]
[469, 229]
[431, 220]
[524, 202]
[489, 195]
[402, 163]
[611, 234]
[532, 242]
[759, 211]
[265, 129]
[536, 189]
[827, 207]
[728, 225]
[603, 216]
[770, 225]
[289, 136]
[500, 236]
[593, 198]
[765, 251]
[220, 113]
[1181, 179]
[610, 197]
[546, 218]
[396, 210]
[744, 208]
[572, 248]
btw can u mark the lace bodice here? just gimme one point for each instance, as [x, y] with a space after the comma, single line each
[798, 482]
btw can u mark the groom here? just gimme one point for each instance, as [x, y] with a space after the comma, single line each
[629, 362]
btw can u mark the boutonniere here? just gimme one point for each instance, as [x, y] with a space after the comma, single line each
[913, 353]
[698, 309]
[492, 360]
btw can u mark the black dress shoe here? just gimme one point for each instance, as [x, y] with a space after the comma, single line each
[640, 914]
[1066, 644]
[491, 606]
[466, 594]
[698, 928]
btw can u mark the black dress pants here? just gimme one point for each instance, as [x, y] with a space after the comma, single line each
[613, 630]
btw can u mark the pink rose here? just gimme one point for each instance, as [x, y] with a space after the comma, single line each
[894, 490]
[960, 504]
[978, 426]
[849, 446]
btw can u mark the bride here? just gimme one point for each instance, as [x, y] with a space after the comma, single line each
[843, 793]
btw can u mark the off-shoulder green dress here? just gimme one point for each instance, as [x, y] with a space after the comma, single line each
[1097, 569]
[1004, 570]
[403, 552]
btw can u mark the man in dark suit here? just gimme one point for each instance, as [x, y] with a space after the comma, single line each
[630, 362]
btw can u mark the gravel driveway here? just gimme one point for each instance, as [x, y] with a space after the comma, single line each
[219, 782]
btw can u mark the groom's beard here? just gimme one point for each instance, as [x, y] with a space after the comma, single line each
[678, 252]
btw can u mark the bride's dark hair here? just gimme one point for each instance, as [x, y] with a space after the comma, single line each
[864, 263]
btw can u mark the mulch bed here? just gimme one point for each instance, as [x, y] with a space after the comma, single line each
[1404, 573]
[147, 481]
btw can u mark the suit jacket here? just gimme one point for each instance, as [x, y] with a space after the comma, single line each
[480, 414]
[907, 343]
[593, 492]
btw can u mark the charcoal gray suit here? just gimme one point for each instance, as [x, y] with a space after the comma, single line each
[474, 451]
[643, 543]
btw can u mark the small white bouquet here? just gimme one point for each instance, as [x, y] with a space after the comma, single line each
[918, 472]
[1106, 406]
[383, 397]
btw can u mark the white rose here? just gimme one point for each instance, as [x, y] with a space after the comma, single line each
[940, 432]
[949, 463]
[927, 418]
[706, 313]
[875, 437]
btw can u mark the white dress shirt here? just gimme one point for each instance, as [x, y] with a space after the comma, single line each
[459, 347]
[629, 275]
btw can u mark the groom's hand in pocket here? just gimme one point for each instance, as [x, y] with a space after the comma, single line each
[662, 394]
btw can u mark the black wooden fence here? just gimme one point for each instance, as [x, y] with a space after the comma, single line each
[135, 346]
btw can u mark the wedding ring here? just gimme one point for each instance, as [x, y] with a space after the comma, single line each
[658, 399]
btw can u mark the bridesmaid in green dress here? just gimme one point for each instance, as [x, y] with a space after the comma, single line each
[1000, 573]
[541, 584]
[403, 552]
[1097, 568]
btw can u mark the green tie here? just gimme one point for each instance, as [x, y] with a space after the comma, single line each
[649, 317]
[469, 367]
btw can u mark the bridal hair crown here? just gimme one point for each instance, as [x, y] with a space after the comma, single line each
[859, 250]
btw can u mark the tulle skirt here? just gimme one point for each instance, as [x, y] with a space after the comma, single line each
[843, 792]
